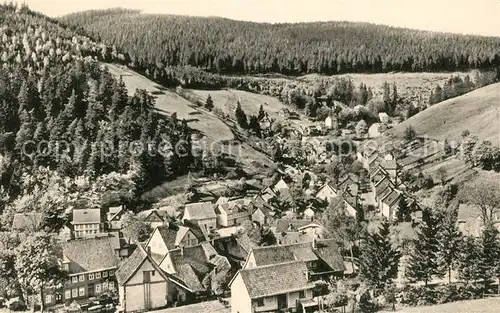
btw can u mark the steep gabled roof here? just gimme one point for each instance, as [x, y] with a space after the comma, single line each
[328, 251]
[130, 265]
[91, 254]
[263, 281]
[191, 264]
[151, 215]
[327, 186]
[168, 235]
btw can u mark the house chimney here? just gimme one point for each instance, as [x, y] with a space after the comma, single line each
[148, 250]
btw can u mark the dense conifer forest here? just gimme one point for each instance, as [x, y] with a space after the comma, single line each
[228, 46]
[61, 112]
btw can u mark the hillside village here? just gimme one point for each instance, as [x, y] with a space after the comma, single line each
[206, 248]
[208, 182]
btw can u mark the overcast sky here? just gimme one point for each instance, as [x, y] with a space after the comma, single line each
[458, 16]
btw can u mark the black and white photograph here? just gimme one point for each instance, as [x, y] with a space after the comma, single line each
[250, 156]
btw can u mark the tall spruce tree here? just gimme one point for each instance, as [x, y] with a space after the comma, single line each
[423, 264]
[241, 117]
[491, 253]
[469, 261]
[209, 104]
[449, 241]
[403, 214]
[378, 263]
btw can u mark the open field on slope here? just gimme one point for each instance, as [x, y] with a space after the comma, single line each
[226, 100]
[169, 102]
[472, 306]
[417, 86]
[477, 111]
[215, 130]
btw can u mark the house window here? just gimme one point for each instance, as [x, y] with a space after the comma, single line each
[98, 275]
[302, 294]
[74, 279]
[91, 276]
[152, 273]
[74, 293]
[260, 302]
[66, 267]
[81, 292]
[81, 278]
[105, 274]
[48, 298]
[105, 286]
[111, 273]
[67, 294]
[98, 288]
[111, 285]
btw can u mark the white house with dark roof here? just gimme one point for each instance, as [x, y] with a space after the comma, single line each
[327, 192]
[91, 264]
[233, 212]
[323, 257]
[114, 217]
[86, 222]
[142, 285]
[259, 289]
[203, 213]
[152, 217]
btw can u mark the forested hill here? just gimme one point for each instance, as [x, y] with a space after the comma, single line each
[229, 46]
[60, 110]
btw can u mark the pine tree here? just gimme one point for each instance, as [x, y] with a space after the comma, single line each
[262, 113]
[386, 95]
[241, 117]
[469, 261]
[378, 263]
[491, 253]
[394, 100]
[403, 213]
[423, 261]
[449, 241]
[209, 104]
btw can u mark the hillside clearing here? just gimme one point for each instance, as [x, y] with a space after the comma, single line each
[218, 133]
[417, 84]
[168, 102]
[476, 111]
[226, 100]
[472, 306]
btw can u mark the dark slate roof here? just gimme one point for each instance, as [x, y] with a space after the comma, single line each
[130, 265]
[189, 261]
[264, 281]
[168, 234]
[91, 254]
[30, 221]
[151, 215]
[392, 198]
[272, 255]
[285, 253]
[86, 216]
[328, 251]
